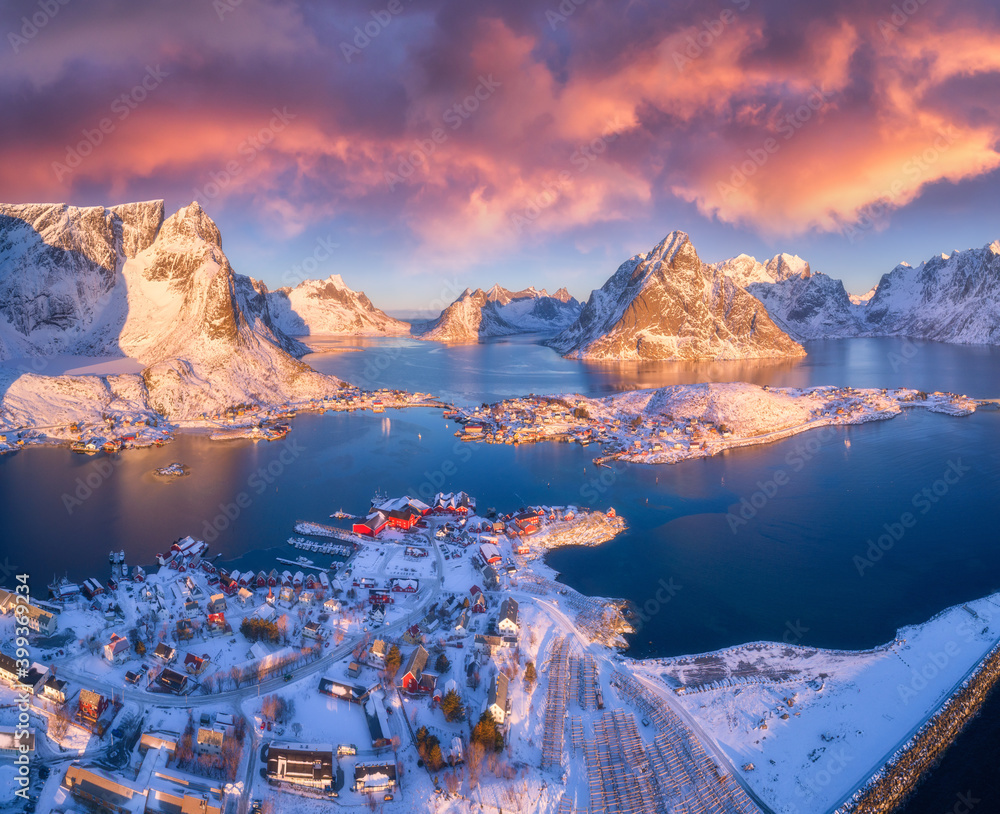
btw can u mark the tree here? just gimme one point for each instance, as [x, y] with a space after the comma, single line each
[487, 734]
[442, 664]
[474, 763]
[140, 648]
[530, 677]
[451, 706]
[393, 660]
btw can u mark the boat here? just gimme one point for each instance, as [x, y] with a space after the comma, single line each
[62, 589]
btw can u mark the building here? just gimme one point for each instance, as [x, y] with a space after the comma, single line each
[54, 689]
[37, 619]
[99, 788]
[116, 650]
[455, 503]
[374, 778]
[158, 740]
[165, 653]
[489, 553]
[508, 616]
[92, 706]
[8, 669]
[194, 665]
[377, 654]
[496, 701]
[413, 669]
[210, 741]
[217, 603]
[244, 597]
[301, 764]
[311, 630]
[14, 741]
[172, 681]
[378, 722]
[354, 693]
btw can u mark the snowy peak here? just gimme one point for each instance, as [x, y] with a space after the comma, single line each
[125, 281]
[745, 270]
[330, 307]
[666, 304]
[498, 311]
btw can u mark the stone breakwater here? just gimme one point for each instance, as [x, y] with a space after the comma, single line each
[890, 787]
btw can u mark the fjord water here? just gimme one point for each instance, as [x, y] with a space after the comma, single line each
[717, 552]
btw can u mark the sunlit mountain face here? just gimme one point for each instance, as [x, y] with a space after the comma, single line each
[442, 145]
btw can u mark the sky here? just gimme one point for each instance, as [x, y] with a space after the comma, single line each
[417, 148]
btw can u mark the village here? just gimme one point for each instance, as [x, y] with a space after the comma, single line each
[121, 427]
[683, 422]
[434, 661]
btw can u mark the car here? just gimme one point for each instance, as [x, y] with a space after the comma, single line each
[288, 676]
[387, 797]
[256, 805]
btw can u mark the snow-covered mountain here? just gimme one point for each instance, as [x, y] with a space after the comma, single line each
[125, 281]
[949, 298]
[482, 314]
[667, 304]
[330, 307]
[744, 269]
[814, 307]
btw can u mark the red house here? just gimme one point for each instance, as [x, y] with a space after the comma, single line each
[372, 526]
[413, 670]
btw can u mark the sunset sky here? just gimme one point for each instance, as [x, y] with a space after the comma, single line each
[446, 143]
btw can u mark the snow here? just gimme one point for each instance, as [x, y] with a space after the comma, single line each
[499, 312]
[329, 307]
[847, 712]
[667, 304]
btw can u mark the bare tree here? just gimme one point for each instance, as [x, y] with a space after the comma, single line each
[474, 763]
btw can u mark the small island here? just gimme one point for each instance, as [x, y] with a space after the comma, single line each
[173, 470]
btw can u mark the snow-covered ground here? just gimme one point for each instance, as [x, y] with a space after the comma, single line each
[807, 727]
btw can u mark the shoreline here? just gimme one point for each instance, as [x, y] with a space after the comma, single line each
[899, 778]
